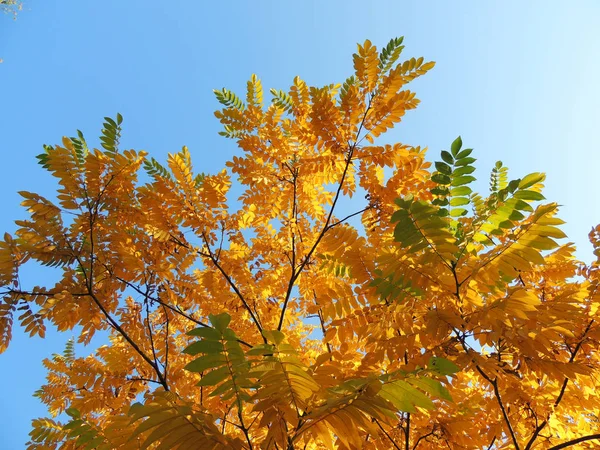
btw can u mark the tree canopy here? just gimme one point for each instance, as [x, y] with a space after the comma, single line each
[10, 6]
[430, 317]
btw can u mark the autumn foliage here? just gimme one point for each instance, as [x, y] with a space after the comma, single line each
[428, 317]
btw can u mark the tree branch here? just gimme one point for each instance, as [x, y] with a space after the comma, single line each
[425, 436]
[494, 383]
[407, 433]
[326, 227]
[170, 307]
[322, 321]
[563, 388]
[233, 286]
[505, 415]
[88, 278]
[387, 435]
[575, 441]
[349, 216]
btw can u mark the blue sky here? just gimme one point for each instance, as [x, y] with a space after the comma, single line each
[517, 80]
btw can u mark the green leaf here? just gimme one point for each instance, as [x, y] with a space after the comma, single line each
[73, 424]
[404, 396]
[442, 366]
[531, 179]
[214, 377]
[274, 336]
[529, 195]
[206, 332]
[464, 153]
[111, 122]
[73, 412]
[464, 161]
[220, 321]
[460, 191]
[459, 201]
[431, 386]
[457, 212]
[447, 157]
[204, 346]
[443, 168]
[440, 178]
[465, 170]
[440, 191]
[261, 350]
[206, 362]
[456, 145]
[390, 53]
[440, 202]
[460, 181]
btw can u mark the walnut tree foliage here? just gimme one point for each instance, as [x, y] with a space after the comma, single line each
[11, 6]
[444, 318]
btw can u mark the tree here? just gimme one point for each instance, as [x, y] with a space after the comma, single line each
[441, 318]
[11, 6]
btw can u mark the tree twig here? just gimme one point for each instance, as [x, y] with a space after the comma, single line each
[575, 441]
[325, 228]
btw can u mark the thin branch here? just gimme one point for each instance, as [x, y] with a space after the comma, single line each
[90, 288]
[19, 292]
[563, 388]
[505, 415]
[293, 217]
[131, 342]
[387, 434]
[425, 436]
[149, 380]
[233, 286]
[407, 433]
[575, 441]
[166, 366]
[366, 208]
[322, 321]
[494, 383]
[150, 332]
[172, 308]
[325, 228]
[160, 302]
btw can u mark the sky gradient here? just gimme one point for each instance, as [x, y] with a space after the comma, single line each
[518, 82]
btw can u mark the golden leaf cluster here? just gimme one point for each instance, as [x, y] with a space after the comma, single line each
[429, 317]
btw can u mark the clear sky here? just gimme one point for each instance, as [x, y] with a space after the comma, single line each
[518, 80]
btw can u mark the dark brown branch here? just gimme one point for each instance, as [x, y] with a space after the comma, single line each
[387, 435]
[166, 366]
[563, 388]
[575, 441]
[293, 217]
[326, 227]
[322, 322]
[150, 333]
[90, 288]
[425, 436]
[160, 302]
[131, 342]
[349, 216]
[494, 383]
[19, 292]
[505, 415]
[229, 280]
[407, 432]
[172, 308]
[323, 329]
[148, 380]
